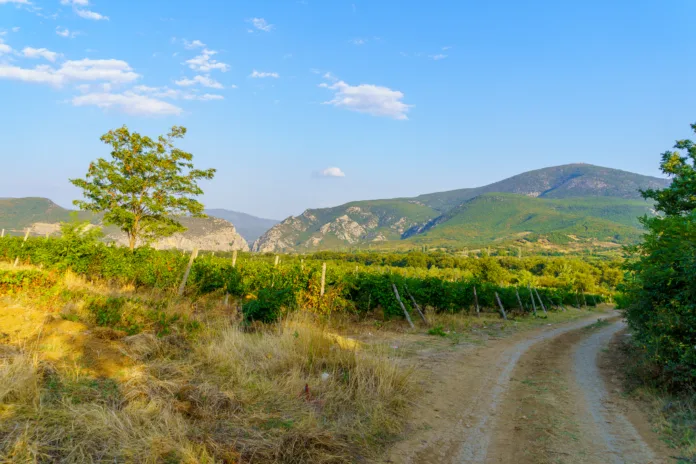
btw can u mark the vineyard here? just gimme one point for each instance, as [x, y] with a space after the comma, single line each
[267, 285]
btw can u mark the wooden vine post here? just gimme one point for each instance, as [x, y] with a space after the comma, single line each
[502, 310]
[531, 295]
[194, 254]
[2, 234]
[478, 311]
[403, 308]
[541, 302]
[276, 261]
[26, 236]
[234, 258]
[519, 300]
[323, 278]
[415, 305]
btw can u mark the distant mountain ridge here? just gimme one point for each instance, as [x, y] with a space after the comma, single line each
[552, 193]
[250, 227]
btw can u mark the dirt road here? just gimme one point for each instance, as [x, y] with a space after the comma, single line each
[535, 397]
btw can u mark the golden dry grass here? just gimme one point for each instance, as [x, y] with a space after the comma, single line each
[291, 393]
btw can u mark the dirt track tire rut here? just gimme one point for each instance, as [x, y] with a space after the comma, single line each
[476, 418]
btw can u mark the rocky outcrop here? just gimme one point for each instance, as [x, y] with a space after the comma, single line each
[211, 234]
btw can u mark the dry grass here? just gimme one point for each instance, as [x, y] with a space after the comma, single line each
[291, 393]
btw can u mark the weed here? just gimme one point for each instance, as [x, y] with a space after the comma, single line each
[437, 331]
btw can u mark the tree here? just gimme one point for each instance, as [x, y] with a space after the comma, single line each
[661, 284]
[145, 185]
[679, 198]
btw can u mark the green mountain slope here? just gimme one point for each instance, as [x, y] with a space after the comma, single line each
[384, 222]
[352, 223]
[567, 181]
[16, 214]
[250, 227]
[498, 217]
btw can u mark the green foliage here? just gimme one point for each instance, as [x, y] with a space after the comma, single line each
[268, 305]
[144, 186]
[24, 281]
[661, 287]
[359, 283]
[437, 331]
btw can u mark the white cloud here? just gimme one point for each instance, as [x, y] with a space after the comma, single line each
[367, 98]
[21, 2]
[261, 24]
[195, 44]
[203, 62]
[332, 172]
[75, 2]
[113, 71]
[358, 41]
[446, 48]
[260, 75]
[40, 74]
[89, 14]
[66, 33]
[204, 97]
[439, 56]
[30, 52]
[4, 48]
[205, 81]
[128, 102]
[16, 29]
[117, 71]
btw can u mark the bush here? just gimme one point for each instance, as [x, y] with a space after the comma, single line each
[268, 305]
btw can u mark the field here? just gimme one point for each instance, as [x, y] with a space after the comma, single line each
[103, 361]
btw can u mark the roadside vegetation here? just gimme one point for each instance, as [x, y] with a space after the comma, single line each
[660, 301]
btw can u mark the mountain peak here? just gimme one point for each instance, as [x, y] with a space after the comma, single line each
[364, 222]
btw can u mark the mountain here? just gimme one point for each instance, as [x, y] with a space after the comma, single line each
[44, 217]
[580, 200]
[250, 227]
[501, 217]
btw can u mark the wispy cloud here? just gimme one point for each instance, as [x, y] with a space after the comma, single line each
[16, 29]
[4, 48]
[75, 2]
[260, 75]
[204, 63]
[128, 102]
[30, 52]
[89, 14]
[205, 81]
[191, 45]
[66, 33]
[85, 70]
[332, 172]
[19, 2]
[358, 41]
[261, 24]
[367, 98]
[439, 56]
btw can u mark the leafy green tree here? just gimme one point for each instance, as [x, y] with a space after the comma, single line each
[679, 199]
[144, 186]
[661, 287]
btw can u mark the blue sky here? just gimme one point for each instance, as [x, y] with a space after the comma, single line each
[312, 103]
